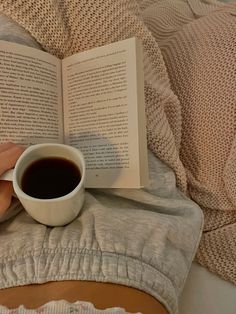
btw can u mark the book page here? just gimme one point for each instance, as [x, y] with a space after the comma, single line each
[101, 113]
[30, 95]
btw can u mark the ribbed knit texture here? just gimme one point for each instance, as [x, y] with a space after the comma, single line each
[198, 42]
[191, 119]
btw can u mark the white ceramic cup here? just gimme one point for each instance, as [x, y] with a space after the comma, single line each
[55, 211]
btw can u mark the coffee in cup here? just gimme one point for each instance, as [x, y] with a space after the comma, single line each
[49, 180]
[50, 177]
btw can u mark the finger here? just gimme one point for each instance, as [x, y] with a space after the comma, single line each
[9, 157]
[6, 146]
[6, 191]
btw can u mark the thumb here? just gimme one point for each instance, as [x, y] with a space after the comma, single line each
[6, 190]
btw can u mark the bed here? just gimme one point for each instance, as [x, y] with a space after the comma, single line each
[203, 292]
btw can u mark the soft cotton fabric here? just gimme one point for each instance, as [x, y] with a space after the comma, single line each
[63, 307]
[144, 239]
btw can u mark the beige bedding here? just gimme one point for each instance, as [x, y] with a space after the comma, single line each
[176, 133]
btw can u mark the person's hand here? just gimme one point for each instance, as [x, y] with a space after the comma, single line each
[9, 153]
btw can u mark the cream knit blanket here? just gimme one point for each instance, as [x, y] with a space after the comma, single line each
[190, 75]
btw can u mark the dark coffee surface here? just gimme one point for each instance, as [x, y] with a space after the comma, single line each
[50, 178]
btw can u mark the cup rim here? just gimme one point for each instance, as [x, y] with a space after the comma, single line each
[20, 193]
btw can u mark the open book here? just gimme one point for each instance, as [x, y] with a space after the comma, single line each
[93, 100]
